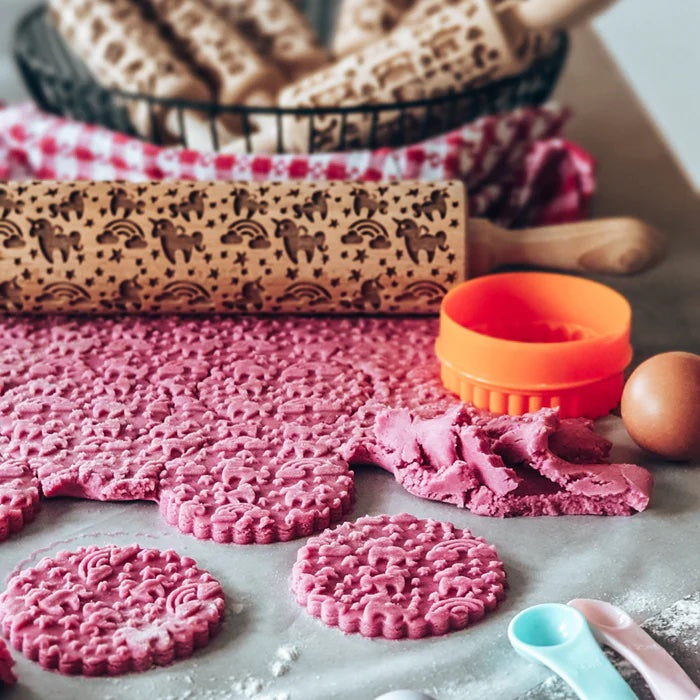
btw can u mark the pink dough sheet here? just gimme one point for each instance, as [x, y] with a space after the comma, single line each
[7, 673]
[244, 429]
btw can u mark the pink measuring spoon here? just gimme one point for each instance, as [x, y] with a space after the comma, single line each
[614, 627]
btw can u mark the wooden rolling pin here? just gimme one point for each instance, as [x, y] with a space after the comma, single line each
[279, 32]
[360, 22]
[123, 50]
[337, 247]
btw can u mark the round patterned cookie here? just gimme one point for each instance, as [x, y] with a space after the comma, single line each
[398, 576]
[111, 610]
[7, 674]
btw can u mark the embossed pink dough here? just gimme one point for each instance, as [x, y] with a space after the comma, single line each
[243, 429]
[7, 674]
[19, 497]
[398, 576]
[509, 465]
[110, 610]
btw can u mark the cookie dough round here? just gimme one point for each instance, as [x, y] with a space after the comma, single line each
[105, 611]
[396, 576]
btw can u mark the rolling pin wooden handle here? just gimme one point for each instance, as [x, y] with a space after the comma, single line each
[619, 246]
[557, 14]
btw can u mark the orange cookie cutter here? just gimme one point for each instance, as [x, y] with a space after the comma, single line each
[520, 341]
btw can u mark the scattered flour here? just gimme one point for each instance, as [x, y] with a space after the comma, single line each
[680, 622]
[638, 605]
[285, 656]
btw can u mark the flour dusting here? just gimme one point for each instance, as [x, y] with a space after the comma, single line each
[679, 622]
[285, 656]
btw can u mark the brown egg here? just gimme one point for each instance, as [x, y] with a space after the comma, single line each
[661, 405]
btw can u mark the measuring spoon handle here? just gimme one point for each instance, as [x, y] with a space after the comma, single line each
[666, 679]
[588, 671]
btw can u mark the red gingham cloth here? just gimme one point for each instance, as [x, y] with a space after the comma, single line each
[517, 168]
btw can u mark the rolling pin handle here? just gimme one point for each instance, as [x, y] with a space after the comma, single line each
[619, 246]
[557, 14]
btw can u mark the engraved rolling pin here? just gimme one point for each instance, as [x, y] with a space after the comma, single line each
[337, 247]
[437, 47]
[237, 73]
[123, 50]
[278, 30]
[461, 45]
[360, 22]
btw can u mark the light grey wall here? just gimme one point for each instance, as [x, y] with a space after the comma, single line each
[10, 11]
[655, 44]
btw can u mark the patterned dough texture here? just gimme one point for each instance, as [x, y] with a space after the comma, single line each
[7, 674]
[111, 610]
[19, 497]
[243, 429]
[398, 576]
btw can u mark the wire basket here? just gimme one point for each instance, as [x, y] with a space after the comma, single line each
[61, 84]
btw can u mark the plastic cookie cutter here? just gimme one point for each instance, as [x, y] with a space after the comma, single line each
[559, 637]
[515, 342]
[614, 627]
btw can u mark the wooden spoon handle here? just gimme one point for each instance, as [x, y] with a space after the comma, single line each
[619, 246]
[557, 14]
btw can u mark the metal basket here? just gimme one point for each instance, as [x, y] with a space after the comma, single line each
[60, 83]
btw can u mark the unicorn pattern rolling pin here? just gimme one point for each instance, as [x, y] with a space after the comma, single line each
[299, 247]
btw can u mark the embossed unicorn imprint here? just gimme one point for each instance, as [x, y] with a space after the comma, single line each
[11, 295]
[73, 203]
[437, 202]
[121, 200]
[244, 200]
[127, 298]
[369, 294]
[364, 200]
[316, 204]
[250, 295]
[418, 238]
[9, 205]
[174, 238]
[297, 240]
[51, 239]
[193, 204]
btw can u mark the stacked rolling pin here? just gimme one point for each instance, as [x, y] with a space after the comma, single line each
[264, 53]
[338, 247]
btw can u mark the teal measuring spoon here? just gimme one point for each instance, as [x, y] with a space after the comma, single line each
[559, 637]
